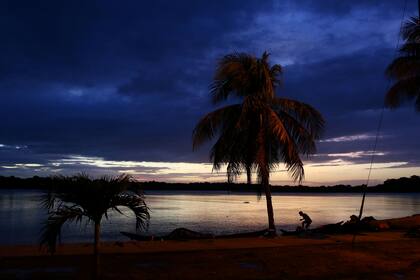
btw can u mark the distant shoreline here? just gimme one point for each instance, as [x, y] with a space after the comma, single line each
[401, 185]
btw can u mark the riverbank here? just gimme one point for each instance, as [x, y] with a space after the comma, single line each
[380, 255]
[401, 185]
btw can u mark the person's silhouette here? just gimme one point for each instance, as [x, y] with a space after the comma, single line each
[306, 220]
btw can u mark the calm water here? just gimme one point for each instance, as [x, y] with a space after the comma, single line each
[21, 216]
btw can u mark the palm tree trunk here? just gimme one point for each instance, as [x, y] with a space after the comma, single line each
[264, 172]
[270, 212]
[96, 249]
[248, 175]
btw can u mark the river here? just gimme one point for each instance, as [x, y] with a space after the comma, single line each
[22, 217]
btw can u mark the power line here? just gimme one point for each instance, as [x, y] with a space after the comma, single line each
[381, 117]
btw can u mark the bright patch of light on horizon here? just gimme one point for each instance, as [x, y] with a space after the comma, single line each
[334, 162]
[17, 147]
[357, 154]
[350, 164]
[22, 165]
[160, 167]
[316, 173]
[349, 138]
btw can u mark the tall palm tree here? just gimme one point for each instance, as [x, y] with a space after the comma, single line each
[263, 130]
[405, 69]
[78, 198]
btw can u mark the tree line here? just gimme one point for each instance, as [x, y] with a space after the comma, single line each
[403, 184]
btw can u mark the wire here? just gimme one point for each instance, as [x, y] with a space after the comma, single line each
[378, 129]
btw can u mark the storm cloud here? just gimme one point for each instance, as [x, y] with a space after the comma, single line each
[127, 81]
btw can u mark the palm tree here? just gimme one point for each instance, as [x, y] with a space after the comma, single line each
[405, 69]
[263, 130]
[80, 198]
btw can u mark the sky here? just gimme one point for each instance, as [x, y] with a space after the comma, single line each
[111, 87]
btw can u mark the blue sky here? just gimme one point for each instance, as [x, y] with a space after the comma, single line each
[107, 87]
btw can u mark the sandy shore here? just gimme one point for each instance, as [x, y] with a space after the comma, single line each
[382, 255]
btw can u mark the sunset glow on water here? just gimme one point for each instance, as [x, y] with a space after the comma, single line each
[21, 216]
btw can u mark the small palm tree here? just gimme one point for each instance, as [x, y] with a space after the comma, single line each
[405, 69]
[78, 198]
[263, 130]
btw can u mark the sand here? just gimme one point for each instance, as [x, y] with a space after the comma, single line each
[382, 255]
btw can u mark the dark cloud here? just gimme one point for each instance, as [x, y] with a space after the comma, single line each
[343, 8]
[354, 82]
[88, 42]
[128, 81]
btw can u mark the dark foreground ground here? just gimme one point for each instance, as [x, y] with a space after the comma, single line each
[385, 255]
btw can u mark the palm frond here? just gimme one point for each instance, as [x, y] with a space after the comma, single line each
[411, 30]
[236, 144]
[268, 78]
[294, 166]
[213, 122]
[80, 196]
[304, 113]
[304, 140]
[52, 228]
[233, 76]
[289, 150]
[48, 200]
[222, 151]
[404, 67]
[410, 49]
[402, 90]
[276, 72]
[277, 127]
[136, 204]
[417, 104]
[234, 169]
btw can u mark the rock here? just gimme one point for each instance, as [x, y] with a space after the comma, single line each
[368, 219]
[330, 228]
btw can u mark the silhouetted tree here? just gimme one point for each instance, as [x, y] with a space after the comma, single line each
[405, 69]
[80, 198]
[263, 130]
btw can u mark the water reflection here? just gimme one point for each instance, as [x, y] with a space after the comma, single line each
[21, 215]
